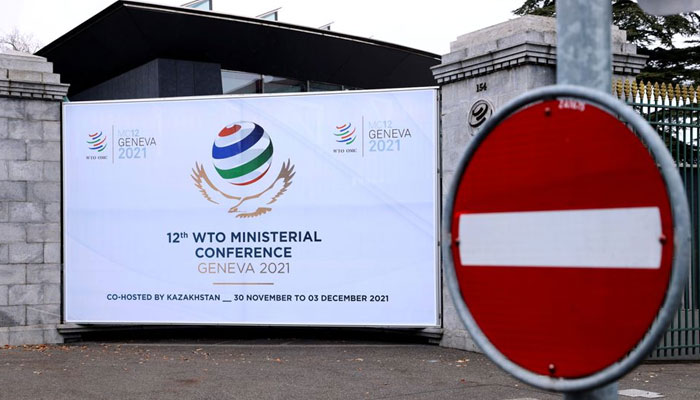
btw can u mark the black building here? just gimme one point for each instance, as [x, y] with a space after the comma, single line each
[140, 50]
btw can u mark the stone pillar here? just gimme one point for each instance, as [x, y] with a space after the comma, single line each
[483, 71]
[30, 199]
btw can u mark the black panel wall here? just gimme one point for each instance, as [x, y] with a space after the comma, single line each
[188, 78]
[138, 83]
[158, 78]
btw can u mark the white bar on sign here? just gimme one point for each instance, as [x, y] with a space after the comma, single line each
[594, 238]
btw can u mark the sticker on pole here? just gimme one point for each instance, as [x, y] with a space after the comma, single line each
[563, 237]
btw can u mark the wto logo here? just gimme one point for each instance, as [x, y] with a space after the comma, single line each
[242, 155]
[97, 142]
[346, 134]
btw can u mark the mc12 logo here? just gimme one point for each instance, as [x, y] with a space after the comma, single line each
[385, 136]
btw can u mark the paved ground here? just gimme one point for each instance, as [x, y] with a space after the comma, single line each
[283, 369]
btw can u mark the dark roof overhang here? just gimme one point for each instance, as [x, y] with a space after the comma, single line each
[128, 34]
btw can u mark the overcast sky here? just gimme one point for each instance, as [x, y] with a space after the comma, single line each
[425, 25]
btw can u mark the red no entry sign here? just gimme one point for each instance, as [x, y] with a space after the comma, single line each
[562, 236]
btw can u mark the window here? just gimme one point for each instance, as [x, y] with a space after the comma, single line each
[238, 82]
[235, 82]
[323, 87]
[272, 15]
[199, 4]
[273, 84]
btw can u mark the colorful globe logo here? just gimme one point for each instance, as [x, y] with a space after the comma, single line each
[242, 153]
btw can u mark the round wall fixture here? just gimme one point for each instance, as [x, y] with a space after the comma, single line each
[479, 113]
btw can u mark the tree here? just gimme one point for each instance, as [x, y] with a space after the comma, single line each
[654, 37]
[18, 41]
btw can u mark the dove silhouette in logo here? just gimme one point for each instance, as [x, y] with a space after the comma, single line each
[245, 206]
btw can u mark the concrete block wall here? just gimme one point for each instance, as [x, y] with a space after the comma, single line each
[497, 64]
[30, 200]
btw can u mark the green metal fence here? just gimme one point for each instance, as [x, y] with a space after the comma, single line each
[675, 114]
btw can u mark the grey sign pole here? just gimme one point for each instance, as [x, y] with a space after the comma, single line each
[584, 58]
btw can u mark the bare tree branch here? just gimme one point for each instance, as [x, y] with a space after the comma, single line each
[18, 41]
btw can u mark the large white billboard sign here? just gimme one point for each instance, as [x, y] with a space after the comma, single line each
[314, 209]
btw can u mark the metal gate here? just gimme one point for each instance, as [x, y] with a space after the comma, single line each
[675, 114]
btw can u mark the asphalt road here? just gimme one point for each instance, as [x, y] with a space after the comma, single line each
[284, 369]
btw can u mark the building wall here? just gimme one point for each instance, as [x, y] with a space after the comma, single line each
[188, 78]
[30, 200]
[158, 78]
[496, 64]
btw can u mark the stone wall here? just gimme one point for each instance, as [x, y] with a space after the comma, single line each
[495, 65]
[30, 199]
